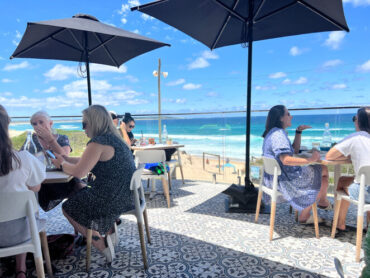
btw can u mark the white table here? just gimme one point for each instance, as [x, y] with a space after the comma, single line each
[57, 177]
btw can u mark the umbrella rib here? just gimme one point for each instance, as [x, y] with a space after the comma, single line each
[223, 26]
[103, 44]
[274, 12]
[259, 9]
[147, 5]
[38, 42]
[76, 40]
[238, 16]
[331, 20]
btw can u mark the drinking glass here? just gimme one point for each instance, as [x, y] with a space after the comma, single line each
[316, 146]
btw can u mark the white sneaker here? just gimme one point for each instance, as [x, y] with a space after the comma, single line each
[109, 251]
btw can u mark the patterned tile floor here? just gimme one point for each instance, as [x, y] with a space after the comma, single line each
[196, 238]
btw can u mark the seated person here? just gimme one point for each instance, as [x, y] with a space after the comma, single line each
[114, 118]
[51, 195]
[126, 127]
[355, 147]
[108, 195]
[19, 171]
[300, 185]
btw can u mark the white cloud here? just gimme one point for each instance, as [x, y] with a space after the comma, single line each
[124, 9]
[332, 63]
[134, 3]
[6, 94]
[265, 88]
[146, 17]
[357, 3]
[123, 20]
[191, 86]
[277, 75]
[137, 101]
[364, 67]
[286, 81]
[60, 72]
[132, 79]
[81, 85]
[105, 68]
[212, 94]
[136, 31]
[301, 80]
[10, 67]
[339, 86]
[181, 100]
[1, 58]
[6, 80]
[335, 39]
[176, 82]
[18, 35]
[295, 51]
[52, 89]
[202, 61]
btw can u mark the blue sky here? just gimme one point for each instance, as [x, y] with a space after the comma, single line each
[315, 70]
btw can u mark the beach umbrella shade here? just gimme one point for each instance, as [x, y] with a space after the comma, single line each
[218, 23]
[82, 38]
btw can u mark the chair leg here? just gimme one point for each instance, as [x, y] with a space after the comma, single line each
[316, 219]
[88, 249]
[360, 223]
[166, 191]
[272, 219]
[39, 267]
[180, 165]
[258, 205]
[145, 213]
[169, 180]
[142, 243]
[335, 218]
[296, 215]
[45, 249]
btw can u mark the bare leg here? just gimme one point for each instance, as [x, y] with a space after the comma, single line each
[305, 214]
[322, 196]
[20, 264]
[343, 184]
[98, 240]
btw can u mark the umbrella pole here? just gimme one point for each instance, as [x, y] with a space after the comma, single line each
[88, 70]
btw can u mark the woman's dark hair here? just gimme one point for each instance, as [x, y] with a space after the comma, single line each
[274, 118]
[363, 119]
[6, 149]
[128, 118]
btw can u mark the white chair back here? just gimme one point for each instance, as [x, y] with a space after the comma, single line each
[150, 156]
[269, 166]
[364, 173]
[139, 197]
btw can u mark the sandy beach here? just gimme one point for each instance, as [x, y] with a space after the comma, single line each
[13, 133]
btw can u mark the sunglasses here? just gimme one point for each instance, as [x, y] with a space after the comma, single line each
[354, 118]
[114, 117]
[84, 125]
[131, 126]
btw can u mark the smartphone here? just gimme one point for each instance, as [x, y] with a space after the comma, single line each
[50, 154]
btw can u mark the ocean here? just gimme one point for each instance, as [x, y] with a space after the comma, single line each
[226, 136]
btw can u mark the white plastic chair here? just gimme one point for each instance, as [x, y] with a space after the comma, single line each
[154, 156]
[15, 205]
[173, 163]
[272, 167]
[140, 214]
[364, 178]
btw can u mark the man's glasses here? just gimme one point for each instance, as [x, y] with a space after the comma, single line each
[84, 125]
[131, 126]
[354, 118]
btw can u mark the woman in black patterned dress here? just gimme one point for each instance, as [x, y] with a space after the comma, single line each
[110, 160]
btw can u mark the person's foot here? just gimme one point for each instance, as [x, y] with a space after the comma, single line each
[325, 205]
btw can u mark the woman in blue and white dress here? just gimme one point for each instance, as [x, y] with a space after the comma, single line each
[355, 147]
[300, 185]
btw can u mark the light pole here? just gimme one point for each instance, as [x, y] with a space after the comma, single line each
[157, 73]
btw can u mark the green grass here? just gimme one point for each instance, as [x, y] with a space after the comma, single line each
[77, 139]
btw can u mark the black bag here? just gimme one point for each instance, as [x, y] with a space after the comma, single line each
[60, 246]
[242, 199]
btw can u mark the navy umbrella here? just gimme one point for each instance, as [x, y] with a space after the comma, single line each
[218, 23]
[82, 38]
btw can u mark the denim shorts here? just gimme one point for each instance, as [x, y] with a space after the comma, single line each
[354, 192]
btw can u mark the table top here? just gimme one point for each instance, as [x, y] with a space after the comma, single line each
[156, 147]
[57, 177]
[306, 154]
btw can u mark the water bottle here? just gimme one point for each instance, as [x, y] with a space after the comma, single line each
[326, 139]
[30, 145]
[164, 134]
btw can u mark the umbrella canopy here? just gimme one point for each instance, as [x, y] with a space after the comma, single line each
[82, 38]
[218, 23]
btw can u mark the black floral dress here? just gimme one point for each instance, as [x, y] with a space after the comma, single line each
[98, 205]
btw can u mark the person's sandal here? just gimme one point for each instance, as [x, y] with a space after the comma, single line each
[310, 221]
[20, 272]
[327, 208]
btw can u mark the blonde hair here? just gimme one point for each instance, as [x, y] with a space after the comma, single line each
[40, 113]
[99, 121]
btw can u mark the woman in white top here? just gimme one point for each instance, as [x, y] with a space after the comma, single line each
[355, 148]
[19, 171]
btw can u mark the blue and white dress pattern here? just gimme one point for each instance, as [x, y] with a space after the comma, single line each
[299, 185]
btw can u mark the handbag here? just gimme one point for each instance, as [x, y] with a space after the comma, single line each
[157, 168]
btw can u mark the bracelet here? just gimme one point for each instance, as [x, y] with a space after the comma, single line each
[298, 131]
